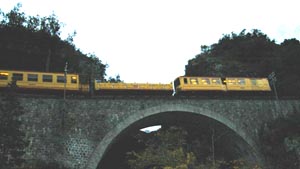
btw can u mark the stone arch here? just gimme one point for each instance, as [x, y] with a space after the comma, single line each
[141, 114]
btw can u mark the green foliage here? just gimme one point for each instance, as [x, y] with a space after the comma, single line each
[250, 54]
[288, 68]
[33, 43]
[172, 149]
[115, 79]
[241, 164]
[281, 142]
[292, 143]
[233, 55]
[166, 149]
[91, 68]
[12, 138]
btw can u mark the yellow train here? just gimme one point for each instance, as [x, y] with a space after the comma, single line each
[45, 81]
[39, 80]
[136, 88]
[229, 84]
[42, 81]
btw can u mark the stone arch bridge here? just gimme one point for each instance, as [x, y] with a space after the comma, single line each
[78, 132]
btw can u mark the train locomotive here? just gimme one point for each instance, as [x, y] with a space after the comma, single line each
[56, 82]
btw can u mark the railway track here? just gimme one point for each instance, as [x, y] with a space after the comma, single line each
[149, 96]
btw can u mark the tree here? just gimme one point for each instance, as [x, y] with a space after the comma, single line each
[16, 18]
[12, 138]
[91, 68]
[281, 142]
[115, 79]
[250, 54]
[33, 43]
[288, 67]
[235, 55]
[173, 148]
[166, 149]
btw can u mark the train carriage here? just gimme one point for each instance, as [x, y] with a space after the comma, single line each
[183, 85]
[247, 84]
[198, 84]
[132, 88]
[39, 80]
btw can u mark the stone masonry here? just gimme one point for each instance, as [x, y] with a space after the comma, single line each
[77, 132]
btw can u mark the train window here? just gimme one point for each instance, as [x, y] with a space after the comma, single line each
[60, 79]
[17, 76]
[3, 76]
[32, 77]
[215, 81]
[47, 78]
[73, 79]
[241, 81]
[205, 81]
[194, 81]
[230, 81]
[185, 81]
[253, 82]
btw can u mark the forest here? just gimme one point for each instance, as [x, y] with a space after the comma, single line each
[34, 43]
[251, 54]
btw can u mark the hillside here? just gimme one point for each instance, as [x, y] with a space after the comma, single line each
[34, 43]
[251, 54]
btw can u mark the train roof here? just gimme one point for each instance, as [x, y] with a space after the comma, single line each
[30, 71]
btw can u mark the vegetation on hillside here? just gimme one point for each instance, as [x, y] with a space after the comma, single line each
[251, 54]
[33, 43]
[172, 148]
[281, 142]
